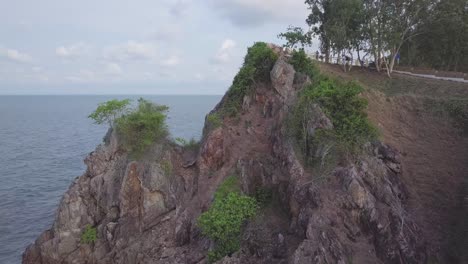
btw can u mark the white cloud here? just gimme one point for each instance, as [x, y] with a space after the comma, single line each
[247, 13]
[81, 76]
[113, 69]
[171, 61]
[225, 52]
[179, 8]
[71, 51]
[132, 50]
[199, 77]
[168, 32]
[14, 55]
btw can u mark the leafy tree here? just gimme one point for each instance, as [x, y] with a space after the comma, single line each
[109, 111]
[440, 39]
[318, 19]
[296, 36]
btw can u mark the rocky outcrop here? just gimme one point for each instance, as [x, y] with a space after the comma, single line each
[145, 211]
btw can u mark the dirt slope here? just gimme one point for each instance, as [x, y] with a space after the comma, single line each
[434, 148]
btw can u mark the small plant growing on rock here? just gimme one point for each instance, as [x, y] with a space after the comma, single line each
[303, 64]
[224, 220]
[143, 126]
[89, 235]
[214, 120]
[346, 110]
[191, 144]
[166, 166]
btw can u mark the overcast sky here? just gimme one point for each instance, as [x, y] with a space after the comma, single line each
[133, 47]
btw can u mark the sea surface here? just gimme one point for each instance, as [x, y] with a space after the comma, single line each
[43, 141]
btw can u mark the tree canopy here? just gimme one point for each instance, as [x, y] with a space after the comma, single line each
[109, 111]
[430, 33]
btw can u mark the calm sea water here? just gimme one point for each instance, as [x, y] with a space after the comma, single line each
[43, 141]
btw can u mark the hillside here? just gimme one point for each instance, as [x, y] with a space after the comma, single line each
[427, 121]
[289, 170]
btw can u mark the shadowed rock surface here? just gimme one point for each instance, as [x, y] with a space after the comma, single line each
[145, 212]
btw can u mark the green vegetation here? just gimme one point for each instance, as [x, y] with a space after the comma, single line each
[230, 184]
[192, 144]
[143, 126]
[109, 111]
[303, 64]
[166, 166]
[295, 36]
[89, 235]
[224, 220]
[342, 104]
[456, 109]
[256, 68]
[214, 120]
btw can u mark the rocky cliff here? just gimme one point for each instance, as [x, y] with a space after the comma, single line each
[145, 211]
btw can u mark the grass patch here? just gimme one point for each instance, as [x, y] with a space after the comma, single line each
[456, 109]
[89, 235]
[167, 168]
[223, 222]
[214, 121]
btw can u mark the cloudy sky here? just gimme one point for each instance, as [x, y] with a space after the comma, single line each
[133, 47]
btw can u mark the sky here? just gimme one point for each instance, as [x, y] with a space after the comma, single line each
[134, 47]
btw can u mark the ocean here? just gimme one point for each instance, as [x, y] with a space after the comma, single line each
[43, 141]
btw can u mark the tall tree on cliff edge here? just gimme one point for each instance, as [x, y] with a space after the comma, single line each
[318, 21]
[384, 25]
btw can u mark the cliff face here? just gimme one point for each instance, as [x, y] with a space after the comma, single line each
[145, 211]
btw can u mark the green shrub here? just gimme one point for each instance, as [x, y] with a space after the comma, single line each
[89, 235]
[342, 104]
[303, 64]
[256, 68]
[142, 127]
[223, 222]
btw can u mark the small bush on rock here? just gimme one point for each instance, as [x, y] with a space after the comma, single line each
[303, 64]
[89, 235]
[342, 105]
[224, 220]
[143, 126]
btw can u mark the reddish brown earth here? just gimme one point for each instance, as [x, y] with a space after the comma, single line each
[435, 152]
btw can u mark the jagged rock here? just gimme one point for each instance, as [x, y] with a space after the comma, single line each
[282, 78]
[212, 153]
